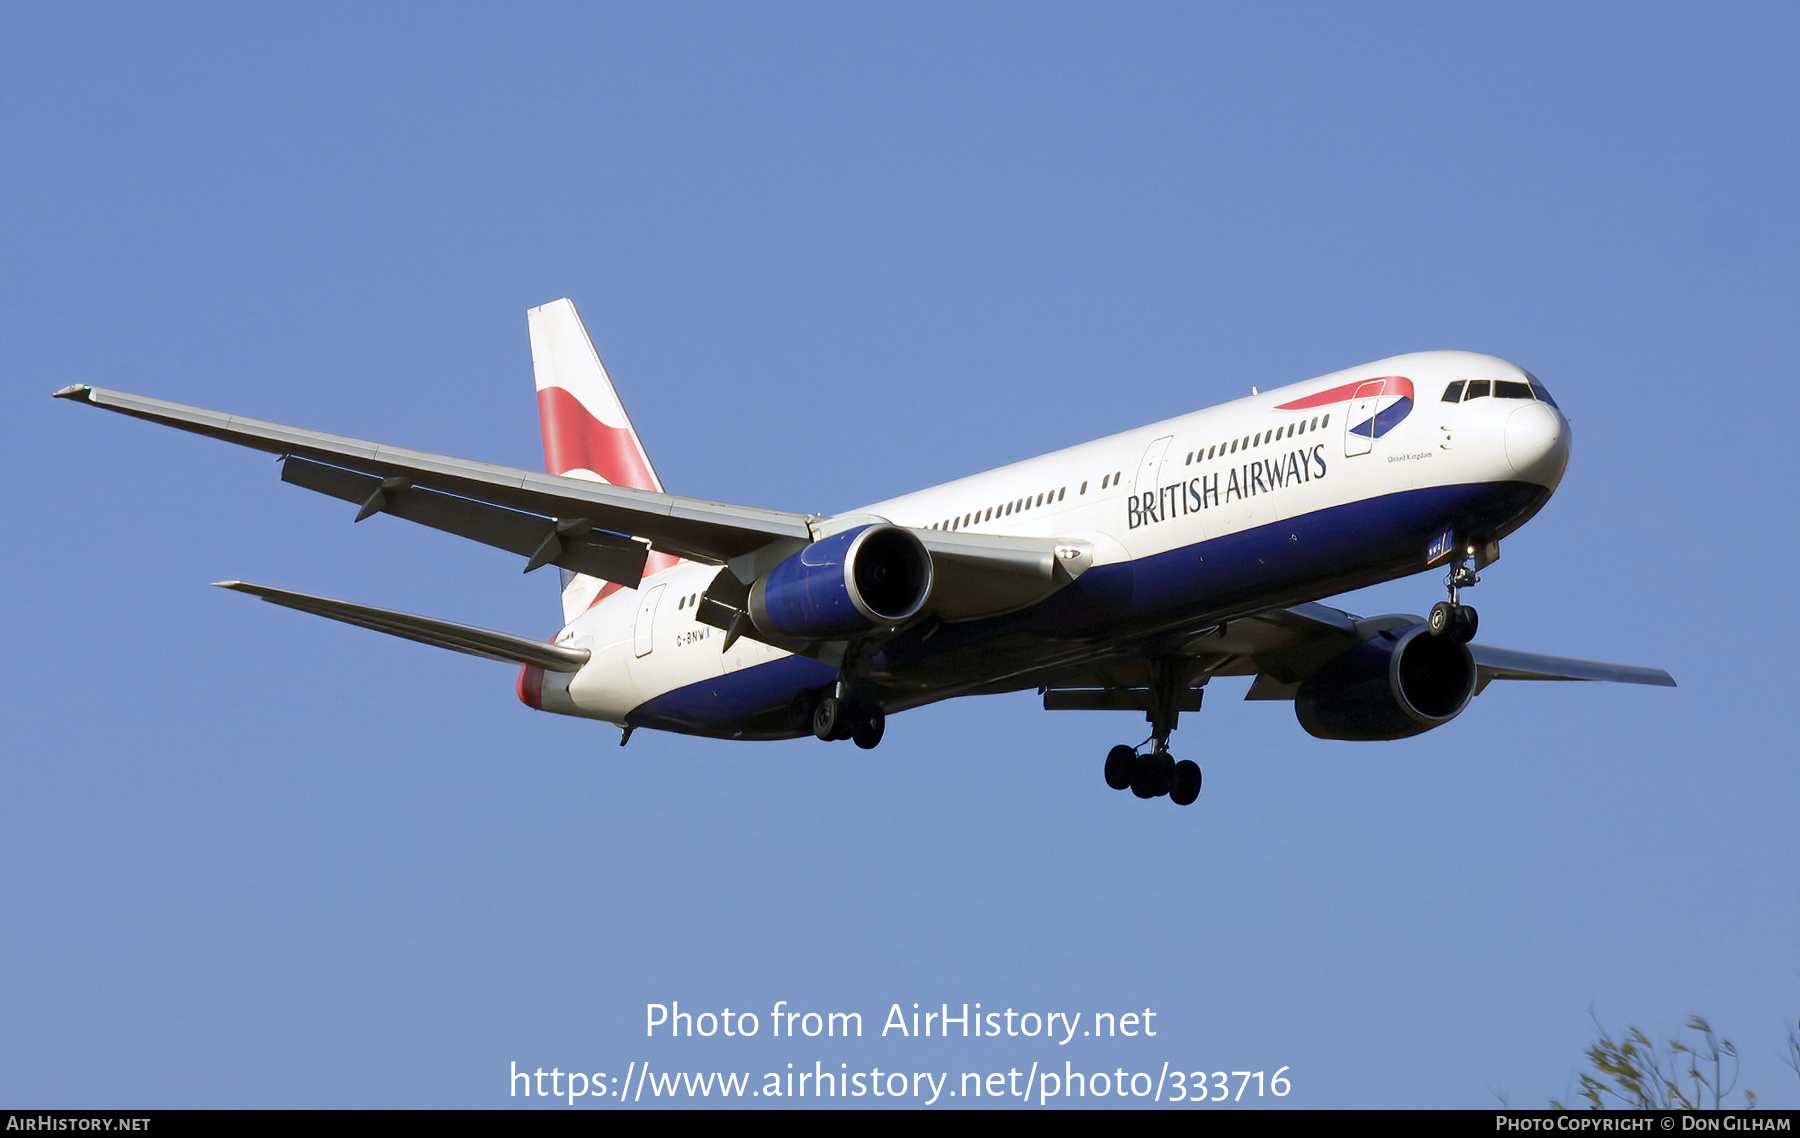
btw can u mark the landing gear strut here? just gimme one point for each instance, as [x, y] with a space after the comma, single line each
[1153, 773]
[1452, 618]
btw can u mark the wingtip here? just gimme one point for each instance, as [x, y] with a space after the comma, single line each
[79, 391]
[237, 586]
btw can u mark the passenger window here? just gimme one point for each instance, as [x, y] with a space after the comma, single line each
[1325, 422]
[1511, 389]
[1477, 389]
[1083, 489]
[1453, 393]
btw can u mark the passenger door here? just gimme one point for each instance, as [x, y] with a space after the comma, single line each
[1359, 424]
[645, 635]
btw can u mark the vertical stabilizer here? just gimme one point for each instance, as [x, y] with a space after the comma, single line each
[586, 431]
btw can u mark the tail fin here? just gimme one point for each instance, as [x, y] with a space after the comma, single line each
[586, 431]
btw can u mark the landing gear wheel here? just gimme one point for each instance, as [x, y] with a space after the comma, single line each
[1443, 615]
[1456, 621]
[829, 718]
[1118, 766]
[1464, 625]
[869, 726]
[1152, 774]
[1185, 786]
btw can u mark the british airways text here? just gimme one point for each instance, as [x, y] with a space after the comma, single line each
[1204, 491]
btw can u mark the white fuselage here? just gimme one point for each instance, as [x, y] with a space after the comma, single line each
[1191, 482]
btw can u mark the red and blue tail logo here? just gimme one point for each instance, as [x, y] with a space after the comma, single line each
[586, 431]
[1380, 403]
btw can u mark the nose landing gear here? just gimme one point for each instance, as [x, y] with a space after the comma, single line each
[1452, 618]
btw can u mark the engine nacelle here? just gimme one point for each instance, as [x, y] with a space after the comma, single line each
[844, 585]
[1390, 686]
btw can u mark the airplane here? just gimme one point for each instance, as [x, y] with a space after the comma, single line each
[1121, 574]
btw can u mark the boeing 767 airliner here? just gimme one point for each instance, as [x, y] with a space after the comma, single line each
[1121, 574]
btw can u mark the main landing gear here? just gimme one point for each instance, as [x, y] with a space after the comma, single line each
[1153, 774]
[1452, 618]
[1156, 772]
[840, 717]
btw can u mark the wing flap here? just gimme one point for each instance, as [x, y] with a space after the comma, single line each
[544, 541]
[489, 645]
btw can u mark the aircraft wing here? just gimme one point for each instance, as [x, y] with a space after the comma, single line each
[1282, 647]
[589, 527]
[1504, 664]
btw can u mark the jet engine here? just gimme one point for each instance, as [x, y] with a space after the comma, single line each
[845, 585]
[1393, 685]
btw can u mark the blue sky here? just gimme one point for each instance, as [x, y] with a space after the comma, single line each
[830, 254]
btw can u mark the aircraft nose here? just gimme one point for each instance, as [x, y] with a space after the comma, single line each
[1537, 443]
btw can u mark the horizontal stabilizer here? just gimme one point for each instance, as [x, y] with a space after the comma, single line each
[501, 646]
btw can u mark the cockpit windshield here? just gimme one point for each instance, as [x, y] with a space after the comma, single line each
[1462, 391]
[1542, 392]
